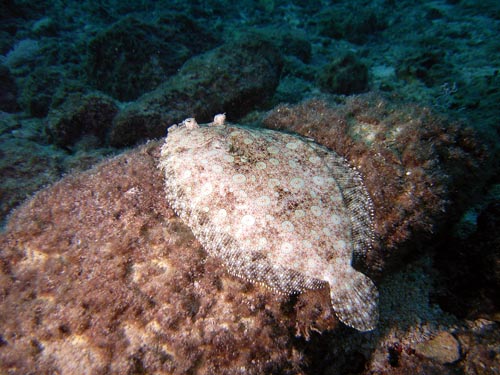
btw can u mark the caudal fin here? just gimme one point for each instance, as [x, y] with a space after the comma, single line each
[355, 300]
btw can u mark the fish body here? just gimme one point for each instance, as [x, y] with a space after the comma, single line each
[276, 209]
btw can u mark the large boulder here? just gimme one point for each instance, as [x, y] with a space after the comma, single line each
[80, 116]
[345, 75]
[132, 57]
[233, 78]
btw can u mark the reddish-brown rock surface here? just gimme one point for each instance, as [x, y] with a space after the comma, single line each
[97, 273]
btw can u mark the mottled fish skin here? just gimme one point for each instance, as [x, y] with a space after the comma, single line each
[276, 209]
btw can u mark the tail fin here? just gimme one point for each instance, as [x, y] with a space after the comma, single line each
[355, 299]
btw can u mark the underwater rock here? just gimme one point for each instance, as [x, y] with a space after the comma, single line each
[206, 84]
[293, 45]
[26, 165]
[45, 26]
[480, 344]
[346, 75]
[97, 274]
[429, 66]
[29, 162]
[81, 115]
[24, 52]
[444, 348]
[346, 20]
[132, 57]
[416, 166]
[38, 89]
[473, 348]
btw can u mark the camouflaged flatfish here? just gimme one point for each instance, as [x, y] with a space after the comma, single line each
[276, 209]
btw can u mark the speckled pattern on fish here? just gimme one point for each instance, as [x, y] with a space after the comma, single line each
[276, 209]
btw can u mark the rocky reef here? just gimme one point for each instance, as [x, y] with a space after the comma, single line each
[97, 274]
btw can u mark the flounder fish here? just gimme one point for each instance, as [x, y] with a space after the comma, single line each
[276, 209]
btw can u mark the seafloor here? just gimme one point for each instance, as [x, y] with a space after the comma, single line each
[98, 275]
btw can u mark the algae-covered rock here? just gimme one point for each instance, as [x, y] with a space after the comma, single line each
[132, 57]
[8, 91]
[81, 115]
[26, 165]
[38, 88]
[346, 20]
[346, 75]
[444, 348]
[97, 274]
[210, 83]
